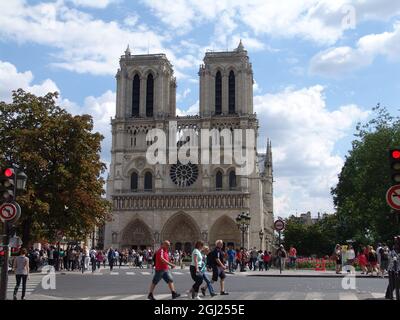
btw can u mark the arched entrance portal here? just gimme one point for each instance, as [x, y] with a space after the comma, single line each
[137, 235]
[225, 229]
[182, 231]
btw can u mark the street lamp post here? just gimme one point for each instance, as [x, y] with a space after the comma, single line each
[261, 235]
[20, 179]
[243, 223]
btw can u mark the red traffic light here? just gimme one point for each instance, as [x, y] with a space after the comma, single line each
[396, 154]
[8, 172]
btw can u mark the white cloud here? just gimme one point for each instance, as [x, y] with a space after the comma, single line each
[304, 133]
[101, 108]
[192, 110]
[322, 21]
[98, 4]
[83, 44]
[11, 79]
[183, 95]
[342, 60]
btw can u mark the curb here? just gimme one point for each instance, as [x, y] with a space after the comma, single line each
[332, 276]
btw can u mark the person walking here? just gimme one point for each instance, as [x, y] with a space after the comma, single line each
[373, 261]
[140, 260]
[338, 257]
[21, 270]
[231, 258]
[195, 266]
[99, 258]
[292, 257]
[206, 265]
[218, 267]
[281, 255]
[92, 255]
[350, 257]
[260, 261]
[394, 270]
[362, 261]
[266, 259]
[111, 258]
[384, 254]
[253, 259]
[162, 271]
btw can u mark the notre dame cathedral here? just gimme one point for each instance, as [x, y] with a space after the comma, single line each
[177, 202]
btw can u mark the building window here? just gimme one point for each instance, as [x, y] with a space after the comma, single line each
[232, 180]
[218, 93]
[136, 96]
[134, 181]
[232, 92]
[148, 181]
[218, 181]
[150, 96]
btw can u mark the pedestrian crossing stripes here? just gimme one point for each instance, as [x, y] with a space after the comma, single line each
[31, 284]
[289, 295]
[137, 272]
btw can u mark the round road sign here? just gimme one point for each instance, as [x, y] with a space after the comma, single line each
[393, 197]
[279, 225]
[8, 211]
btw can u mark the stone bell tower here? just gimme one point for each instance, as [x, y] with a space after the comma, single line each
[226, 83]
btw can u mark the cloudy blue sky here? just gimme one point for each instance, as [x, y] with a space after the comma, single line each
[319, 66]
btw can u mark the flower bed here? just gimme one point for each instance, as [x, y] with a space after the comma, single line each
[312, 263]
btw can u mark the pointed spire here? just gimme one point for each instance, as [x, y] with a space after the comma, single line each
[240, 46]
[268, 158]
[127, 51]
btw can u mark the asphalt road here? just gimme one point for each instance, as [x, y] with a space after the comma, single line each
[133, 284]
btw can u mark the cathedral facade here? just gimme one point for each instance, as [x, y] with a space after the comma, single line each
[194, 201]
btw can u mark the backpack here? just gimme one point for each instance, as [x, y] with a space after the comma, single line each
[384, 255]
[211, 260]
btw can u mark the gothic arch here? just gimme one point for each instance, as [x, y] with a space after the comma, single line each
[133, 72]
[232, 92]
[225, 229]
[150, 86]
[181, 230]
[218, 92]
[136, 95]
[232, 179]
[149, 71]
[137, 234]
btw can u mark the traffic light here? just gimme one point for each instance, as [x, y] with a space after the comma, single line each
[394, 155]
[7, 178]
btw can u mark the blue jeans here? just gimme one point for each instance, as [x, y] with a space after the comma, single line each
[231, 265]
[208, 282]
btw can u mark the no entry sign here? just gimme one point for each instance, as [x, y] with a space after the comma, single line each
[393, 197]
[279, 225]
[8, 211]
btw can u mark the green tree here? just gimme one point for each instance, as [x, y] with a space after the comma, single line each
[61, 157]
[359, 196]
[314, 239]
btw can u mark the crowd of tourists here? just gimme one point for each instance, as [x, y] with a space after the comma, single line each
[77, 258]
[372, 260]
[380, 260]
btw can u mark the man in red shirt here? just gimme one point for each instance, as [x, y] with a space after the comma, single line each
[162, 265]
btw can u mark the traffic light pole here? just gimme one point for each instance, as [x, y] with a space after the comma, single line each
[4, 269]
[6, 250]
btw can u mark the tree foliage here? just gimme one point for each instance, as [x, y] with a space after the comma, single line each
[359, 196]
[314, 239]
[61, 157]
